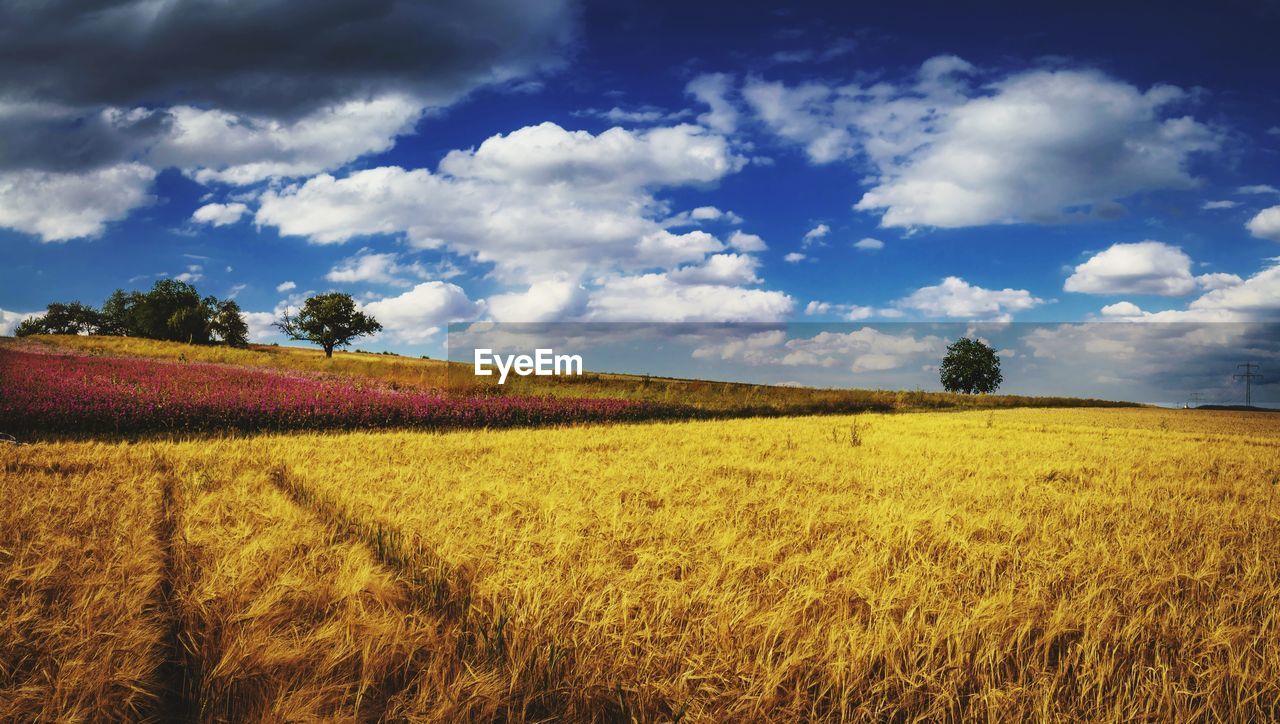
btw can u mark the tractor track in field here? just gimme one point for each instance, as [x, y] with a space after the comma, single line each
[175, 702]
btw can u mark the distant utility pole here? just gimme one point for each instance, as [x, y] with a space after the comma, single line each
[1249, 375]
[1196, 399]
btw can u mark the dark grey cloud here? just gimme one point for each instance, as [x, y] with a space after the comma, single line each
[281, 58]
[72, 141]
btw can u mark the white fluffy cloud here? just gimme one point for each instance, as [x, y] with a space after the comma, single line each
[9, 321]
[849, 312]
[1266, 225]
[286, 286]
[544, 301]
[376, 269]
[261, 325]
[59, 206]
[794, 257]
[1121, 309]
[219, 214]
[1146, 267]
[1035, 146]
[954, 297]
[658, 298]
[700, 215]
[868, 244]
[1223, 204]
[724, 269]
[417, 315]
[1228, 299]
[862, 350]
[743, 241]
[535, 203]
[218, 146]
[713, 90]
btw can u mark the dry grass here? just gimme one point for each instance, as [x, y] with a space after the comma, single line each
[1069, 564]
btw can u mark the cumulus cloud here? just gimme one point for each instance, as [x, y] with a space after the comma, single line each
[261, 325]
[700, 215]
[1156, 361]
[1146, 267]
[868, 244]
[866, 349]
[1036, 146]
[724, 269]
[1228, 298]
[1266, 225]
[535, 203]
[373, 268]
[1218, 280]
[954, 297]
[59, 206]
[417, 315]
[1121, 309]
[658, 298]
[794, 257]
[9, 321]
[549, 300]
[743, 241]
[849, 312]
[219, 214]
[286, 286]
[214, 145]
[713, 89]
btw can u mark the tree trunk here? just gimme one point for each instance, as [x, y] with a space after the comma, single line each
[328, 350]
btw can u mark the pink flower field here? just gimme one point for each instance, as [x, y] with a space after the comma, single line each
[42, 392]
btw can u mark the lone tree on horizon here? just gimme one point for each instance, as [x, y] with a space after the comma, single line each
[329, 320]
[971, 367]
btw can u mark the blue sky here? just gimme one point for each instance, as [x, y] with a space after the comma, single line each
[679, 162]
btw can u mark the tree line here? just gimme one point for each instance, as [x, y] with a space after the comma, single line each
[172, 311]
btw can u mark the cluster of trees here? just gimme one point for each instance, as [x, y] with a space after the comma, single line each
[172, 311]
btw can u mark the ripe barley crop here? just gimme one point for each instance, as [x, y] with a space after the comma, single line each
[1065, 564]
[82, 628]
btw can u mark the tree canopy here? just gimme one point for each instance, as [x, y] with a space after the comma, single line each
[329, 320]
[171, 310]
[971, 367]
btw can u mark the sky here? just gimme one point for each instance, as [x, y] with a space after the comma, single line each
[549, 161]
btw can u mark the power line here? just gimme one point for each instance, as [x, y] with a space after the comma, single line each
[1249, 375]
[1195, 399]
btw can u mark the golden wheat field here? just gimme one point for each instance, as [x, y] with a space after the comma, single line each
[1001, 565]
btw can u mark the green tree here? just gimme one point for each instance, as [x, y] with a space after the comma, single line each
[118, 314]
[228, 324]
[172, 310]
[29, 326]
[59, 318]
[971, 367]
[329, 320]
